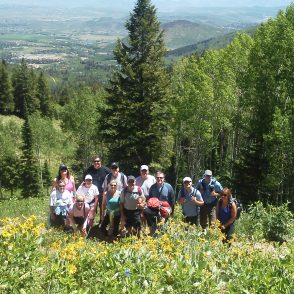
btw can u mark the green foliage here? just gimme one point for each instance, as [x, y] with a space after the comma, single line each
[6, 98]
[182, 259]
[81, 117]
[274, 223]
[136, 123]
[46, 177]
[30, 178]
[43, 94]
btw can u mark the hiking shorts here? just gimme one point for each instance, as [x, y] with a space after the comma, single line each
[133, 218]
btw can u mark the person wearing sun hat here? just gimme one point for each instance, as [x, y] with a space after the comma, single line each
[190, 199]
[145, 180]
[210, 190]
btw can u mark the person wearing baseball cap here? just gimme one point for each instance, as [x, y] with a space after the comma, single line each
[210, 190]
[145, 180]
[190, 199]
[132, 201]
[91, 193]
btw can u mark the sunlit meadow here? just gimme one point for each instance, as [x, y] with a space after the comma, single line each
[181, 259]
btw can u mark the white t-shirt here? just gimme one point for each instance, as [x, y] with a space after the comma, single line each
[59, 199]
[145, 184]
[88, 192]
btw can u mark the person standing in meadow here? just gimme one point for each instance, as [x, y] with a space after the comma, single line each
[210, 190]
[98, 173]
[132, 202]
[190, 199]
[226, 212]
[116, 175]
[164, 192]
[145, 180]
[90, 192]
[111, 203]
[60, 200]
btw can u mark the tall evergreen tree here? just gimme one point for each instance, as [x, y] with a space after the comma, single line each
[30, 170]
[6, 98]
[24, 90]
[43, 94]
[136, 122]
[46, 177]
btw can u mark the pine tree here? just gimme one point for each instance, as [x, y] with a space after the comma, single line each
[6, 98]
[24, 90]
[43, 95]
[136, 121]
[30, 171]
[46, 177]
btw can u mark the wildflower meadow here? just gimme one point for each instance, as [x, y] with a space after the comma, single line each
[180, 259]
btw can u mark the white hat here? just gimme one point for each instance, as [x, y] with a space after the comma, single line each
[144, 167]
[88, 177]
[187, 179]
[208, 172]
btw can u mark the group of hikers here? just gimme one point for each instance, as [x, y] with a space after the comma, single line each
[126, 203]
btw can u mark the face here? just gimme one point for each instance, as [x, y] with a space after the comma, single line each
[131, 183]
[187, 184]
[207, 178]
[226, 195]
[159, 178]
[88, 182]
[144, 173]
[115, 171]
[61, 188]
[113, 186]
[79, 203]
[97, 163]
[63, 172]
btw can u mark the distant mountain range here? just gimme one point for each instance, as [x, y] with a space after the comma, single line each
[161, 4]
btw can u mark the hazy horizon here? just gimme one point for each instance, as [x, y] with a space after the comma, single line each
[127, 4]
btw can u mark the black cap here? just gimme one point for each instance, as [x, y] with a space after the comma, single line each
[114, 165]
[62, 167]
[131, 178]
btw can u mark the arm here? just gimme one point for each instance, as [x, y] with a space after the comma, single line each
[121, 208]
[181, 200]
[74, 185]
[103, 206]
[197, 198]
[233, 215]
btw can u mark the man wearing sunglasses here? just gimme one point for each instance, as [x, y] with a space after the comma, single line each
[98, 173]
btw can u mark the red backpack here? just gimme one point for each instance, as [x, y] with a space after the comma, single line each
[163, 207]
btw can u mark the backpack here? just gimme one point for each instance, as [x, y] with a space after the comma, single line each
[210, 186]
[162, 207]
[122, 178]
[239, 206]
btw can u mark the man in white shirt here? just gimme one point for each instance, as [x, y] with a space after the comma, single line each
[145, 181]
[90, 192]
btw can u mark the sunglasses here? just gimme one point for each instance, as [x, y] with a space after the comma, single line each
[159, 177]
[97, 160]
[80, 201]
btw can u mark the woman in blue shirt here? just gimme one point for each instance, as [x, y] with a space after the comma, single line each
[226, 213]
